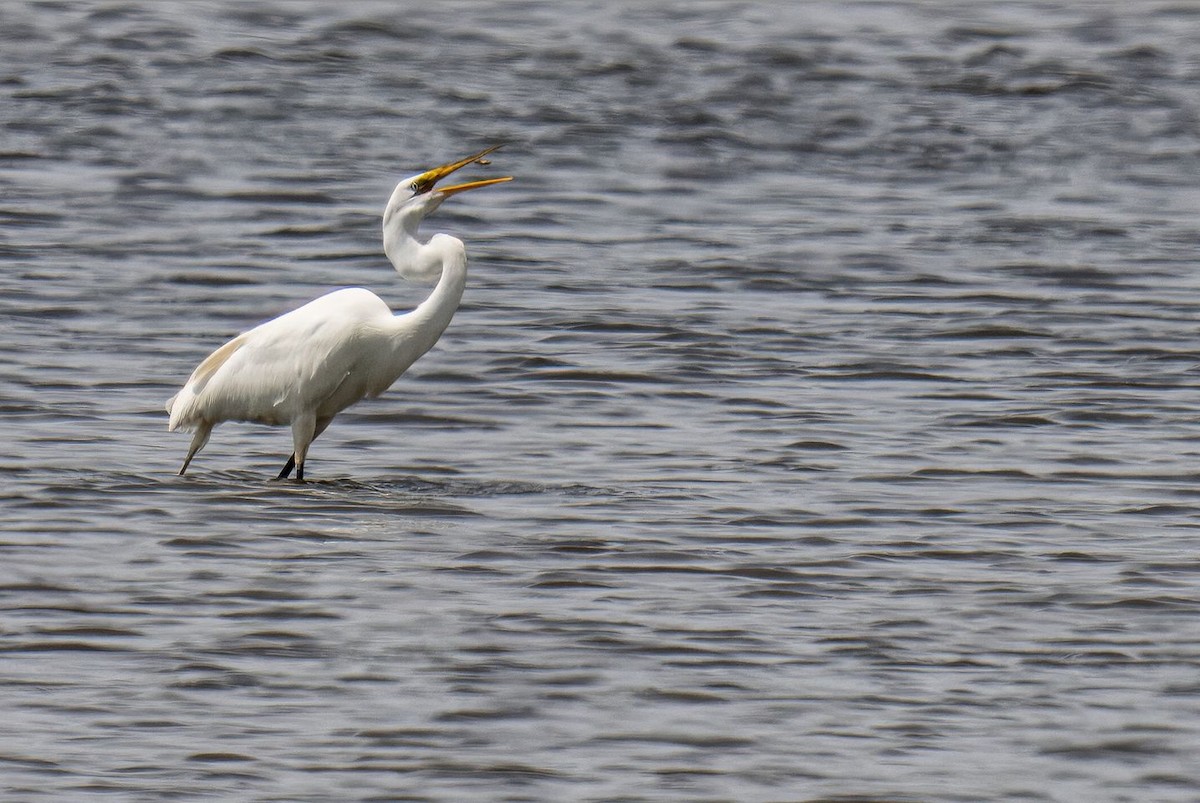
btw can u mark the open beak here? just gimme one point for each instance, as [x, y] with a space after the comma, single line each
[471, 185]
[425, 181]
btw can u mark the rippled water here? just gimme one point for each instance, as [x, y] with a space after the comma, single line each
[820, 422]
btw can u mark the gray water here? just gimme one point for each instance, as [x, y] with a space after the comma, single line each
[821, 421]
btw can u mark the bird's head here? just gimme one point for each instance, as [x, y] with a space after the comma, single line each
[418, 196]
[416, 193]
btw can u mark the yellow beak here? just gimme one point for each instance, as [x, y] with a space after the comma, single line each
[425, 181]
[471, 185]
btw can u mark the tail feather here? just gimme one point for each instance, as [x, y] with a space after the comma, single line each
[178, 407]
[182, 406]
[171, 425]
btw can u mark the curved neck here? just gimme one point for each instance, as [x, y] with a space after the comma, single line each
[424, 325]
[413, 259]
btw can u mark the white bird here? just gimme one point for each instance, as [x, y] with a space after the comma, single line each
[305, 367]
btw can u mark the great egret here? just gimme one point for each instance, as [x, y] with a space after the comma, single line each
[308, 365]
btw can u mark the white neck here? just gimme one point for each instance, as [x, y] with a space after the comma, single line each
[421, 328]
[442, 260]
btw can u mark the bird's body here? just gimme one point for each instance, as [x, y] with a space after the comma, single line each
[306, 366]
[318, 359]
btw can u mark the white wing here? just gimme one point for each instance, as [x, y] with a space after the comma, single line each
[291, 363]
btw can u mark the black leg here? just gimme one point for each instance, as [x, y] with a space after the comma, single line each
[287, 469]
[318, 427]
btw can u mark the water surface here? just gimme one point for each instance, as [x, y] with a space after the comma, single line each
[819, 422]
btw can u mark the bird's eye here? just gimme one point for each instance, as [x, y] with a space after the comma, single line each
[416, 187]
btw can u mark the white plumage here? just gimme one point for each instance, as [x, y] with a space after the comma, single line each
[306, 366]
